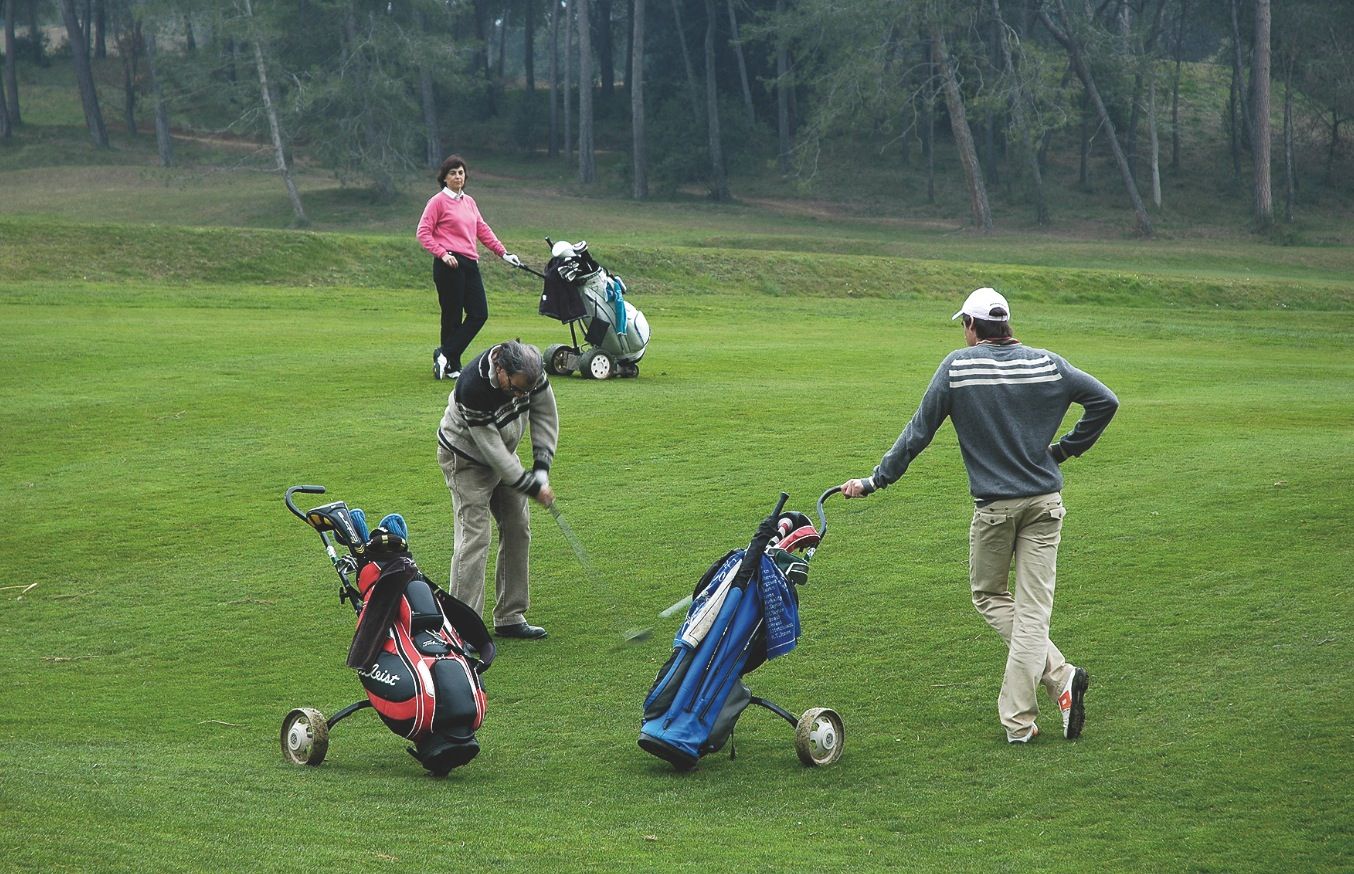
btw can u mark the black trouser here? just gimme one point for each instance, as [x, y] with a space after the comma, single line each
[460, 291]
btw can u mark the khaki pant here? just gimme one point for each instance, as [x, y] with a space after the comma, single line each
[477, 494]
[1025, 531]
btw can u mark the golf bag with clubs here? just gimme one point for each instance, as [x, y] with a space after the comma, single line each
[580, 292]
[418, 651]
[744, 610]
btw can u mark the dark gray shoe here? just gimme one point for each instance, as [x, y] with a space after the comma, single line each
[1072, 703]
[521, 630]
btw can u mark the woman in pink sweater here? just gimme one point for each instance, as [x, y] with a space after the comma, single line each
[450, 225]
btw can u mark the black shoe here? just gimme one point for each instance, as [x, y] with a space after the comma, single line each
[1072, 703]
[520, 630]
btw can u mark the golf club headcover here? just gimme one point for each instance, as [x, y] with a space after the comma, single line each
[384, 544]
[394, 523]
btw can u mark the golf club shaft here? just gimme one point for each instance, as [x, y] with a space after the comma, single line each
[581, 554]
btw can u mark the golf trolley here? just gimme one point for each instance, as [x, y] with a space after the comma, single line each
[744, 610]
[418, 651]
[586, 296]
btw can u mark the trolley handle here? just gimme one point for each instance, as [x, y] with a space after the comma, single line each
[822, 519]
[305, 490]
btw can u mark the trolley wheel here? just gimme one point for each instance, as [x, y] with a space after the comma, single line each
[627, 369]
[597, 364]
[818, 737]
[305, 736]
[557, 359]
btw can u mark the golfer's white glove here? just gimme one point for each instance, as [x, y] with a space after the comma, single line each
[512, 259]
[535, 480]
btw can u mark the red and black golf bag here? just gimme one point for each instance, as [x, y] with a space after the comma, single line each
[411, 653]
[418, 651]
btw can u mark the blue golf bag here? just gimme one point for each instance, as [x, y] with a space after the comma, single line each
[744, 610]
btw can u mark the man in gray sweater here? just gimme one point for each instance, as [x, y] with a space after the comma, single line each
[1007, 401]
[497, 395]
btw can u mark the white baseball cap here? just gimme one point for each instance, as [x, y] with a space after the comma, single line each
[986, 304]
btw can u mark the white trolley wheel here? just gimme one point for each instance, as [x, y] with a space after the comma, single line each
[597, 364]
[819, 736]
[305, 736]
[557, 359]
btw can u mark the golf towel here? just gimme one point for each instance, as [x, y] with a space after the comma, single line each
[779, 611]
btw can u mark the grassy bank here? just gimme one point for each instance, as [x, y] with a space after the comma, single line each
[130, 256]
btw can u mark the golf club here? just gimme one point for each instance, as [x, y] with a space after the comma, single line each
[630, 635]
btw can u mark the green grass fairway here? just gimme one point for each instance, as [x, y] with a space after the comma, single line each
[162, 612]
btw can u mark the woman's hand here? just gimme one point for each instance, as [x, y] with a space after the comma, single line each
[449, 260]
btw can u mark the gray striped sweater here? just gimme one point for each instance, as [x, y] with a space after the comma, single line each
[1006, 402]
[485, 424]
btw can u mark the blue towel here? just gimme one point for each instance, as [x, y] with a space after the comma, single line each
[779, 611]
[615, 294]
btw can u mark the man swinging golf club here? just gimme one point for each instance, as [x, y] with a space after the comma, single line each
[496, 396]
[1007, 401]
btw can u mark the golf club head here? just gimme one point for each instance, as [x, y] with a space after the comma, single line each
[636, 635]
[337, 518]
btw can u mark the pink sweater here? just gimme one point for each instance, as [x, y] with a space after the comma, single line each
[453, 226]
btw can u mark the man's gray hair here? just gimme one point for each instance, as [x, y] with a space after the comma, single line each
[516, 357]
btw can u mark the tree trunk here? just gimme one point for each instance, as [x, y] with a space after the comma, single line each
[529, 44]
[87, 26]
[737, 44]
[570, 28]
[696, 110]
[432, 140]
[1260, 145]
[6, 126]
[481, 56]
[1335, 122]
[928, 129]
[635, 82]
[11, 76]
[553, 147]
[164, 141]
[963, 137]
[719, 177]
[427, 95]
[84, 76]
[1239, 79]
[1083, 70]
[502, 48]
[587, 160]
[189, 40]
[127, 53]
[1289, 187]
[1148, 51]
[1233, 128]
[606, 58]
[100, 29]
[1084, 168]
[629, 40]
[1175, 88]
[783, 143]
[1019, 99]
[34, 35]
[1152, 139]
[274, 129]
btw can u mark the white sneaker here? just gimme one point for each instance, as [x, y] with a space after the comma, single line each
[1072, 702]
[455, 374]
[440, 367]
[1033, 733]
